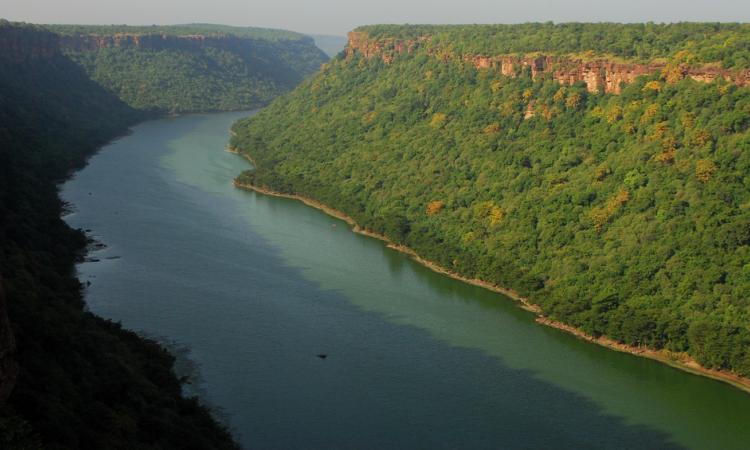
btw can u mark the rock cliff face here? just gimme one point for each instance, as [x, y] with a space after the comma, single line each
[385, 48]
[174, 69]
[19, 44]
[92, 42]
[599, 75]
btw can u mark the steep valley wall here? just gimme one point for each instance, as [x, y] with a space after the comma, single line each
[599, 74]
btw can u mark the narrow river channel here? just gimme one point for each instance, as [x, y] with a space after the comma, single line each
[250, 289]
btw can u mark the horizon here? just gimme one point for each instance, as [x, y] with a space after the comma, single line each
[362, 25]
[338, 17]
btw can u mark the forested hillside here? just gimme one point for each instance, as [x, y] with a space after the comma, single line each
[691, 43]
[194, 67]
[75, 380]
[627, 216]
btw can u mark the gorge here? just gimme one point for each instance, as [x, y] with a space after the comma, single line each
[68, 378]
[436, 362]
[597, 172]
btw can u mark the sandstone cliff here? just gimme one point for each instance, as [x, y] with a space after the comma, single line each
[173, 69]
[156, 41]
[599, 74]
[23, 43]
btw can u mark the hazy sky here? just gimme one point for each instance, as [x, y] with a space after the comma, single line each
[340, 16]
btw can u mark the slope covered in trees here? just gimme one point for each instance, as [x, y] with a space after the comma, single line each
[188, 29]
[195, 67]
[694, 43]
[627, 215]
[82, 382]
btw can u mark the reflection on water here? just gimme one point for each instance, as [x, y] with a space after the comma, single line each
[256, 287]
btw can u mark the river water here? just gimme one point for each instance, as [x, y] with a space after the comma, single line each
[250, 289]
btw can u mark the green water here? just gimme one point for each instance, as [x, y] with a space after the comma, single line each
[255, 287]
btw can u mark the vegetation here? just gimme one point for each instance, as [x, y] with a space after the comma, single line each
[84, 382]
[692, 43]
[625, 215]
[202, 68]
[191, 29]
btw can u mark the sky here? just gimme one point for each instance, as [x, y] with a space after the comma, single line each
[337, 17]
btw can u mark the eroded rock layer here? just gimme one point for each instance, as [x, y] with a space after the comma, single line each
[599, 74]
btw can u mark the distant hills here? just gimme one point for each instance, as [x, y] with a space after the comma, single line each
[194, 67]
[203, 29]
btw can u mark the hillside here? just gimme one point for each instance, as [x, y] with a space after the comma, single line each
[599, 170]
[69, 379]
[194, 67]
[691, 43]
[188, 29]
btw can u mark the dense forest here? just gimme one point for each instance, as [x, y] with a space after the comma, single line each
[195, 67]
[189, 29]
[627, 216]
[79, 381]
[690, 43]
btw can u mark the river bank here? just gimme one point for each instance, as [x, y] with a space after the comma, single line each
[434, 362]
[680, 361]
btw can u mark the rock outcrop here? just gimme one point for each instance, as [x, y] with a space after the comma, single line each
[19, 44]
[157, 41]
[599, 74]
[383, 48]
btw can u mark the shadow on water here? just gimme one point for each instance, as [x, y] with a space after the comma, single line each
[188, 371]
[385, 385]
[405, 389]
[424, 363]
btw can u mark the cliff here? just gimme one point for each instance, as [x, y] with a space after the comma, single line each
[22, 43]
[191, 68]
[174, 69]
[598, 73]
[160, 41]
[155, 41]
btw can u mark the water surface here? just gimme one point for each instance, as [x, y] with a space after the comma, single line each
[255, 287]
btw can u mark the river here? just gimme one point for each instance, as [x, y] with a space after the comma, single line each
[249, 289]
